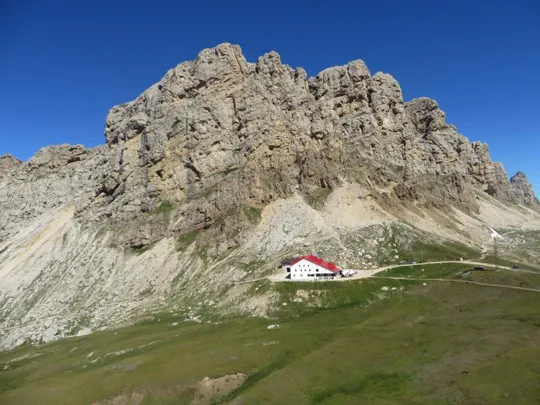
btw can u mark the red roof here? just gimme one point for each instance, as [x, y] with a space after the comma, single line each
[318, 261]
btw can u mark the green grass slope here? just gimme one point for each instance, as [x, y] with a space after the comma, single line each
[372, 341]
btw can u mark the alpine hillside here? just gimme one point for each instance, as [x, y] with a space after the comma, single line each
[221, 169]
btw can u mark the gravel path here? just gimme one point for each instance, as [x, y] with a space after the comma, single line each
[280, 277]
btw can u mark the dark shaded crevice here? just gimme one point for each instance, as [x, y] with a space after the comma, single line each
[427, 130]
[192, 167]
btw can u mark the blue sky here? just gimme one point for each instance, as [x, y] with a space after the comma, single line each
[64, 64]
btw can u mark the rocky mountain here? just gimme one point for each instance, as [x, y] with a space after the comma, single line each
[522, 190]
[211, 170]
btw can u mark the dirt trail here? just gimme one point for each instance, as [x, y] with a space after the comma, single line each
[463, 281]
[280, 277]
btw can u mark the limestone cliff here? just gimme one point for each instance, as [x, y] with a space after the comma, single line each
[206, 148]
[222, 127]
[521, 190]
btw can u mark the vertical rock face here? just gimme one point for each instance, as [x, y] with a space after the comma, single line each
[219, 132]
[522, 191]
[269, 128]
[214, 138]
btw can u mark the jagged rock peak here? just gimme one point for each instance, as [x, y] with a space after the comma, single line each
[519, 176]
[8, 162]
[58, 155]
[220, 113]
[523, 189]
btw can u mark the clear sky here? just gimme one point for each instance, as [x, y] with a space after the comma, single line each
[64, 64]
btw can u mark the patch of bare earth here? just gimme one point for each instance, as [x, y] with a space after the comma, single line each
[206, 392]
[134, 399]
[211, 389]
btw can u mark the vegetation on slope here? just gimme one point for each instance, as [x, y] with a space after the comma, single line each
[317, 197]
[387, 244]
[518, 247]
[379, 341]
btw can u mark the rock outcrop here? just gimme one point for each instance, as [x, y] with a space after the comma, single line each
[54, 177]
[8, 162]
[522, 191]
[253, 132]
[212, 143]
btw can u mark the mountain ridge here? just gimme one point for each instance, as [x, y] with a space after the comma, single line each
[197, 171]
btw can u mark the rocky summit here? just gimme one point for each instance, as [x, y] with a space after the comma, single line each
[219, 170]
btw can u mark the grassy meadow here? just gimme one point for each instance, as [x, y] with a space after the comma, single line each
[371, 341]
